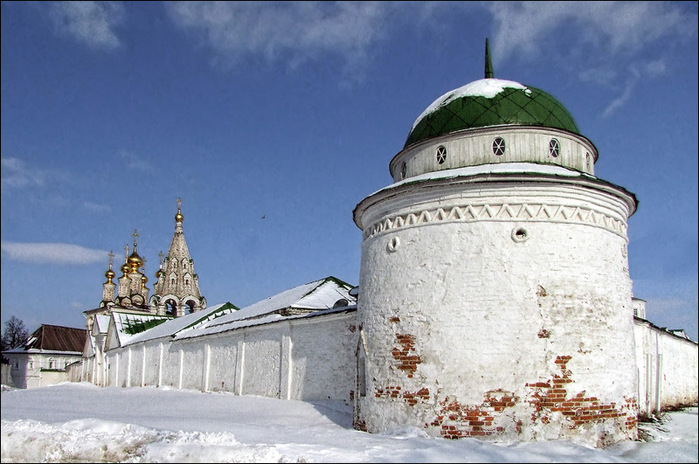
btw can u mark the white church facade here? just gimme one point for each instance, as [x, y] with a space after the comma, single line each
[494, 297]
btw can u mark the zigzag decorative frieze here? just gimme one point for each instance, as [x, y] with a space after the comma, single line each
[501, 212]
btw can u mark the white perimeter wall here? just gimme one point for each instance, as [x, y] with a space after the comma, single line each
[667, 369]
[308, 358]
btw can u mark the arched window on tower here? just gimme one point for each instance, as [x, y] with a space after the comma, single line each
[171, 307]
[190, 305]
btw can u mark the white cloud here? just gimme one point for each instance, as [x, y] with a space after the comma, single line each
[615, 27]
[294, 32]
[92, 23]
[96, 207]
[636, 73]
[611, 39]
[16, 174]
[134, 161]
[52, 253]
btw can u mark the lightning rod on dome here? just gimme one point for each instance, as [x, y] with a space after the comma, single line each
[488, 63]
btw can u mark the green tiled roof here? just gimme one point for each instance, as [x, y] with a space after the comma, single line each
[513, 105]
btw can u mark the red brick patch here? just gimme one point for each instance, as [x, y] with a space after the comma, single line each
[405, 354]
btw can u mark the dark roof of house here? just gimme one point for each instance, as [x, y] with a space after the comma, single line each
[57, 338]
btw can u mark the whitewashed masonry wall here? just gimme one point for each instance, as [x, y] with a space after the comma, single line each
[307, 358]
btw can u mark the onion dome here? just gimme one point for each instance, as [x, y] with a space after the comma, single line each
[110, 274]
[490, 102]
[125, 268]
[135, 261]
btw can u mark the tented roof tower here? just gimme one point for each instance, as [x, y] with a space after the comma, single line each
[177, 289]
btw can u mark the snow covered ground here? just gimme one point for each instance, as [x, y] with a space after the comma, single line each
[85, 423]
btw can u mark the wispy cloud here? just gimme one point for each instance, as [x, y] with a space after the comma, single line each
[135, 162]
[615, 27]
[651, 69]
[52, 253]
[96, 207]
[612, 38]
[290, 32]
[92, 23]
[16, 174]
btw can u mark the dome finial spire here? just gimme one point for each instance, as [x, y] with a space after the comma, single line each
[488, 63]
[178, 217]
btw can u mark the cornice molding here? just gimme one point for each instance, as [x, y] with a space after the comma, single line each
[505, 212]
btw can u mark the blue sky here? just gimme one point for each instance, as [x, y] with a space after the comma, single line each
[273, 120]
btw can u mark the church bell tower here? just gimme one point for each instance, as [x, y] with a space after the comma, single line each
[177, 288]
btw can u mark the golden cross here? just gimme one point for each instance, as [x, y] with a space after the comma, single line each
[135, 237]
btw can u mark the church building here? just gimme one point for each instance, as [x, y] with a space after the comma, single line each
[494, 297]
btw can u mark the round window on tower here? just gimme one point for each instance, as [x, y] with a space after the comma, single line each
[554, 148]
[441, 154]
[499, 146]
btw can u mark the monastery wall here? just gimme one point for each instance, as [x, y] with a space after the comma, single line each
[305, 358]
[667, 369]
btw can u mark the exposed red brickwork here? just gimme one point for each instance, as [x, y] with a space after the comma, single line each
[411, 398]
[395, 319]
[457, 421]
[543, 333]
[405, 355]
[359, 425]
[551, 396]
[352, 328]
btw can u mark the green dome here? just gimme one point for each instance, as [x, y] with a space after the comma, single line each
[490, 102]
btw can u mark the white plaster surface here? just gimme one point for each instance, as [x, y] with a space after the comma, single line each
[488, 313]
[667, 369]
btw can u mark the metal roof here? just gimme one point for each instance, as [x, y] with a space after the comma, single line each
[515, 104]
[57, 338]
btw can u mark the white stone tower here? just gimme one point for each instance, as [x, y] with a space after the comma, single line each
[177, 289]
[109, 287]
[494, 293]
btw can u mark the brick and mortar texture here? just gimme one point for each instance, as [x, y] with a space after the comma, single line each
[495, 320]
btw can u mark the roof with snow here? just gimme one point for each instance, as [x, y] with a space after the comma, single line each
[324, 295]
[128, 324]
[189, 321]
[490, 102]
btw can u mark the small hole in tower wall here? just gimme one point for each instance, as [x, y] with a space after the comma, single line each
[520, 234]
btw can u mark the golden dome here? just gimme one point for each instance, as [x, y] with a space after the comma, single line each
[134, 261]
[109, 275]
[125, 268]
